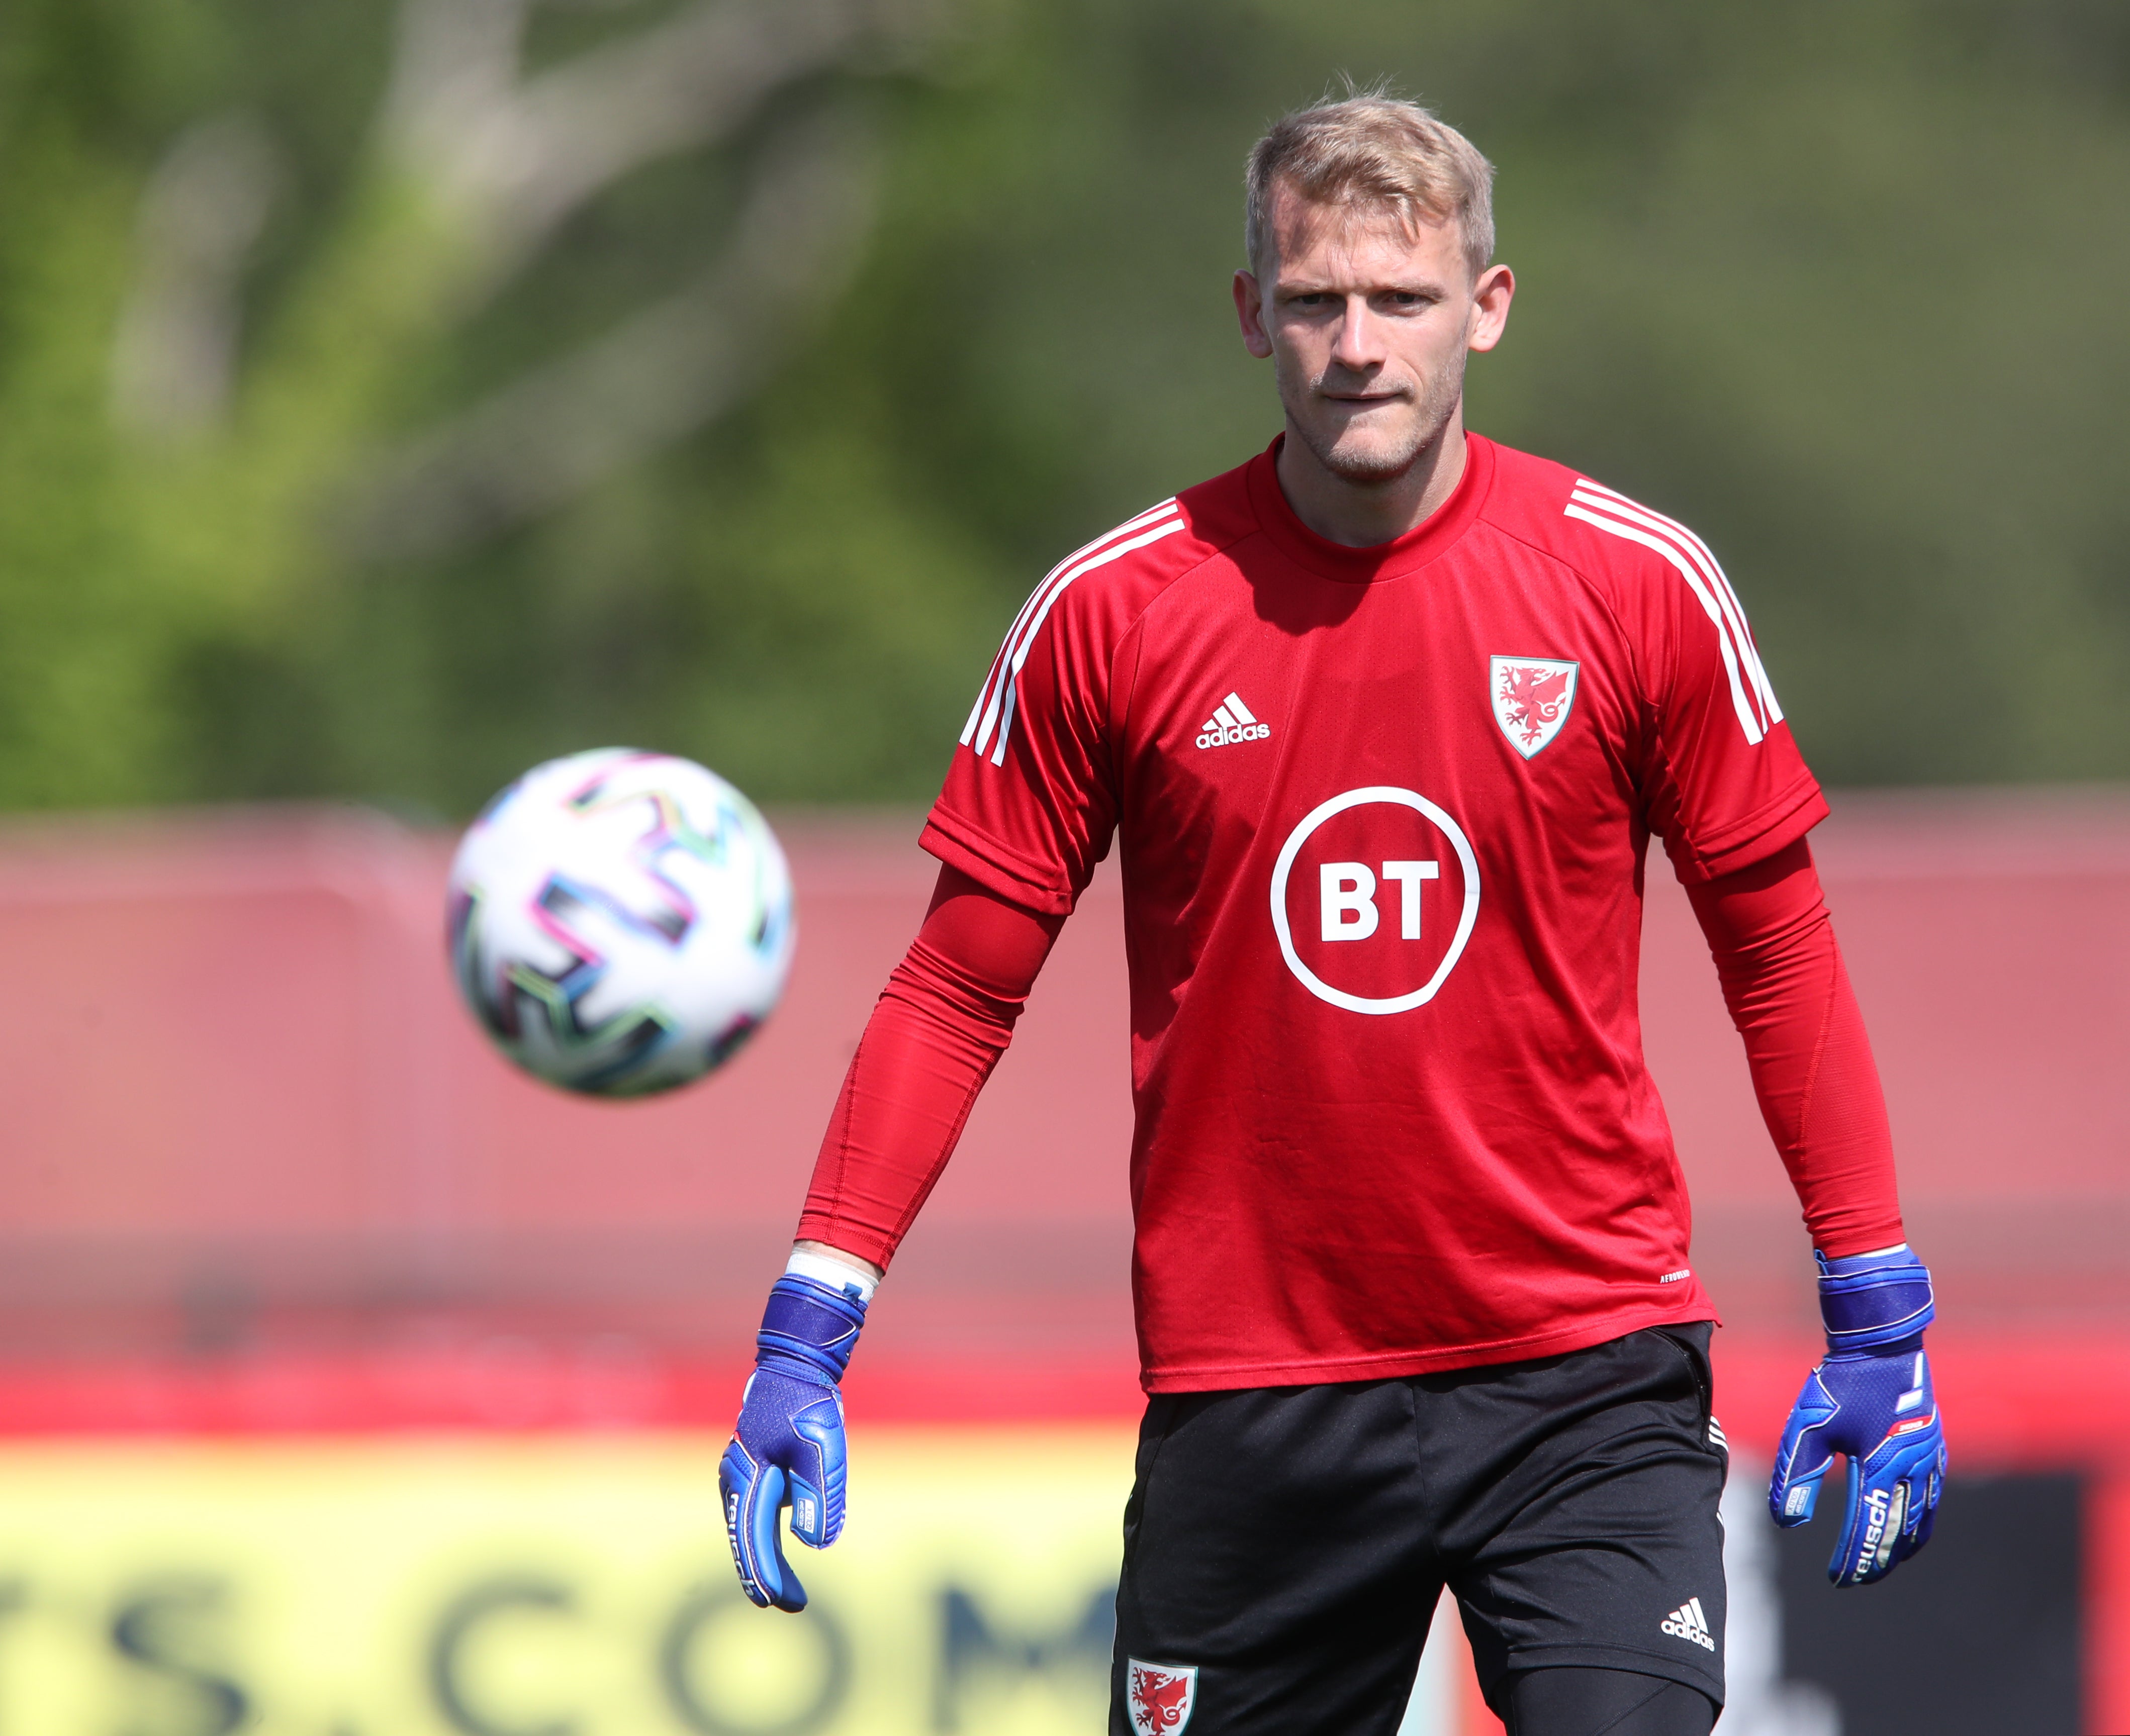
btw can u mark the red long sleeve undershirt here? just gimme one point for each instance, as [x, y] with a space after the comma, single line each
[949, 1008]
[940, 1025]
[1789, 996]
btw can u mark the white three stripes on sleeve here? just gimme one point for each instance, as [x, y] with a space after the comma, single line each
[996, 701]
[1752, 696]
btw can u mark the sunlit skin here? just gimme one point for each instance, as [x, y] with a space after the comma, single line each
[1368, 324]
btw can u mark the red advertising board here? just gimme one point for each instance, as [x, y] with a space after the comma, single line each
[265, 1178]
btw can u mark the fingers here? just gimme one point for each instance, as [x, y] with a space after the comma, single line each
[1878, 1512]
[788, 1451]
[1924, 1522]
[735, 1484]
[766, 1543]
[1892, 1529]
[754, 1500]
[1794, 1495]
[1893, 1504]
[1877, 1413]
[817, 1506]
[736, 1480]
[761, 1513]
[808, 1513]
[1926, 1483]
[1933, 1489]
[1803, 1454]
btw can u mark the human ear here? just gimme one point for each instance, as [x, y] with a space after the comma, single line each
[1491, 296]
[1249, 312]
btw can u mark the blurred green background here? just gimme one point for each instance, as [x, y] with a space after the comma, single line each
[391, 395]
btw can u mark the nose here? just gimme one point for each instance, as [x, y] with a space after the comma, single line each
[1359, 346]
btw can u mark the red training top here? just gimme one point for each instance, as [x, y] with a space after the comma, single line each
[1383, 814]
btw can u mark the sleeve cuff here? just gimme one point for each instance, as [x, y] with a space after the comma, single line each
[846, 1237]
[1775, 826]
[991, 866]
[1864, 1236]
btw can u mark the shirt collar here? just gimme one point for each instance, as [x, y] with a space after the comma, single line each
[1427, 541]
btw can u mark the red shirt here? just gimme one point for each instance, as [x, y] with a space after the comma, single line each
[1383, 814]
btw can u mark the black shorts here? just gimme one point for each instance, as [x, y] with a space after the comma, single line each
[1285, 1547]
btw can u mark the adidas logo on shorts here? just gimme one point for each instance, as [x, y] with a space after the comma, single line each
[1231, 722]
[1687, 1621]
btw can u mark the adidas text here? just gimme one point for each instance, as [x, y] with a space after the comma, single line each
[1231, 722]
[1687, 1621]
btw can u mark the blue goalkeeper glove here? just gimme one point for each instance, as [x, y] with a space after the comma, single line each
[787, 1449]
[1871, 1400]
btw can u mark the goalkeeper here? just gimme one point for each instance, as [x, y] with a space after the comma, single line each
[1384, 723]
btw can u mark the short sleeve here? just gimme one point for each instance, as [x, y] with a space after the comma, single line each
[1725, 785]
[1030, 804]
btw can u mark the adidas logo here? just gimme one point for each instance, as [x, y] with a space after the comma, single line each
[1687, 1621]
[1231, 722]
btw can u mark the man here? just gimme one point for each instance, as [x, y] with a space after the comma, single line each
[1383, 722]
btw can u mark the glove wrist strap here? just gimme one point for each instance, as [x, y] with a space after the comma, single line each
[1873, 1303]
[809, 1330]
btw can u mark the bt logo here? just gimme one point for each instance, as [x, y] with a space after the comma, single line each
[1347, 898]
[1377, 860]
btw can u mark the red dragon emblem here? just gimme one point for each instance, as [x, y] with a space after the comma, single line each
[1161, 1698]
[1531, 699]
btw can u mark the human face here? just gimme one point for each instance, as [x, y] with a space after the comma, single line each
[1367, 325]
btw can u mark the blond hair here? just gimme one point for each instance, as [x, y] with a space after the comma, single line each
[1372, 149]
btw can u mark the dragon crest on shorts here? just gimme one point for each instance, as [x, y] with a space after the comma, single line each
[1160, 1696]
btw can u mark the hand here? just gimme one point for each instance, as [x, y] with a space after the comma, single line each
[1872, 1401]
[787, 1449]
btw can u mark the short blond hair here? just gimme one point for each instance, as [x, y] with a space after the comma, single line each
[1374, 150]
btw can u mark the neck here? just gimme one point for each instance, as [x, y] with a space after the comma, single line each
[1362, 514]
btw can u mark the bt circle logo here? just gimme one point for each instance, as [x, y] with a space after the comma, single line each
[1379, 904]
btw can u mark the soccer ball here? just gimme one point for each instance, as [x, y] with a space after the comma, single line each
[620, 922]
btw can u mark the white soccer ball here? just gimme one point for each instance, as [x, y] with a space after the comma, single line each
[620, 922]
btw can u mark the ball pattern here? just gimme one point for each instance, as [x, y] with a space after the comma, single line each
[620, 922]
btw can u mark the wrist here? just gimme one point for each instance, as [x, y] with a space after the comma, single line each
[1876, 1304]
[833, 1267]
[808, 1329]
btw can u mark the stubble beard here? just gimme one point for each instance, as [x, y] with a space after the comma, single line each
[1369, 463]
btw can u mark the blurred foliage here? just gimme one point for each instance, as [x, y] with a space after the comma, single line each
[1838, 283]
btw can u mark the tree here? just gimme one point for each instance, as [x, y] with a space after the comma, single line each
[390, 398]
